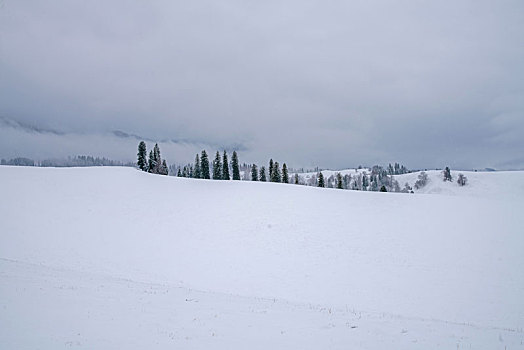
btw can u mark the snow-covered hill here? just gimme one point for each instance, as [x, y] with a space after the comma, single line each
[116, 258]
[500, 184]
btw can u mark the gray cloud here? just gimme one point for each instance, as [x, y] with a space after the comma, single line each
[332, 84]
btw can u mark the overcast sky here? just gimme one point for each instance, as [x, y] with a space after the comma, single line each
[327, 83]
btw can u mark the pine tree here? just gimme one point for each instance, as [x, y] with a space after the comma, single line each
[296, 179]
[285, 176]
[383, 189]
[217, 167]
[225, 167]
[263, 174]
[151, 166]
[339, 181]
[179, 173]
[275, 175]
[234, 166]
[254, 173]
[204, 166]
[321, 180]
[270, 169]
[142, 156]
[158, 159]
[197, 174]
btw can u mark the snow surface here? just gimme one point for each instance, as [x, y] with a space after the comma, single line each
[112, 258]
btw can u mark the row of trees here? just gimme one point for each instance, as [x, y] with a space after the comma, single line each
[76, 161]
[275, 175]
[155, 164]
[375, 179]
[360, 181]
[219, 169]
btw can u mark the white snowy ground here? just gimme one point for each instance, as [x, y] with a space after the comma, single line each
[113, 258]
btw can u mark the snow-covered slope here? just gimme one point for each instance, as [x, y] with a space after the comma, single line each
[117, 258]
[500, 184]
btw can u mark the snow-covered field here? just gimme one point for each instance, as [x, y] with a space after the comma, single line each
[114, 258]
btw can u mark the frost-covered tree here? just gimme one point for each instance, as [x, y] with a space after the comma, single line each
[407, 188]
[285, 175]
[164, 170]
[390, 169]
[462, 180]
[142, 156]
[204, 165]
[447, 174]
[340, 184]
[271, 169]
[297, 180]
[197, 174]
[321, 180]
[234, 166]
[347, 181]
[254, 172]
[263, 174]
[217, 167]
[225, 167]
[374, 183]
[396, 186]
[422, 180]
[330, 181]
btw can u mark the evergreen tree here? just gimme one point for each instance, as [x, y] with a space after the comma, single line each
[447, 174]
[285, 176]
[217, 168]
[275, 175]
[321, 180]
[263, 174]
[270, 169]
[197, 174]
[142, 156]
[158, 159]
[179, 174]
[225, 167]
[383, 189]
[296, 179]
[339, 181]
[204, 166]
[151, 166]
[234, 166]
[254, 173]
